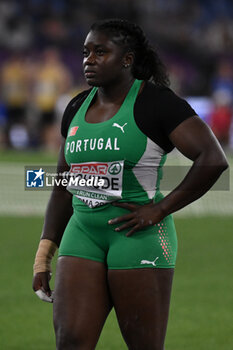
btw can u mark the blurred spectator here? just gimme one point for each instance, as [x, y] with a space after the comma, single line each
[191, 35]
[15, 26]
[223, 78]
[3, 122]
[220, 118]
[64, 99]
[50, 80]
[18, 136]
[14, 86]
[222, 87]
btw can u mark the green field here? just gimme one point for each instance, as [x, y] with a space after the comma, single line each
[202, 299]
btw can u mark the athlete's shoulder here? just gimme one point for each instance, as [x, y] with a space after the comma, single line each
[166, 102]
[71, 109]
[158, 90]
[159, 110]
[77, 100]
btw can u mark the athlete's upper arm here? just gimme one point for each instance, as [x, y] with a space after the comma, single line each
[62, 164]
[193, 137]
[163, 113]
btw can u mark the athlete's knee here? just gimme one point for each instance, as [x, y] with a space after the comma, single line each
[144, 341]
[145, 345]
[67, 339]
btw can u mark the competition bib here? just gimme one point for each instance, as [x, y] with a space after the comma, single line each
[96, 183]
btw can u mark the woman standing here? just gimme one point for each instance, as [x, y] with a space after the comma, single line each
[117, 242]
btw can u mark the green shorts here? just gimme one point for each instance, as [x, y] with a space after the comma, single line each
[88, 235]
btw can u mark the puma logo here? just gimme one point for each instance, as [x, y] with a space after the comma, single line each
[120, 127]
[149, 262]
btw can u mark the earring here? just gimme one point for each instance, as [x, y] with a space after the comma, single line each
[126, 65]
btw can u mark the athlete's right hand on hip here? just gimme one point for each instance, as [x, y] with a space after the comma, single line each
[41, 286]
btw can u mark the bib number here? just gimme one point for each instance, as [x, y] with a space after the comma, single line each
[96, 183]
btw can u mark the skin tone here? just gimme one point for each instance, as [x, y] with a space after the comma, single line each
[104, 66]
[86, 290]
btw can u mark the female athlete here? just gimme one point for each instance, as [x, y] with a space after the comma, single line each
[117, 240]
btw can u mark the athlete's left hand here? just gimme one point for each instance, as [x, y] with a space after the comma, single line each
[140, 217]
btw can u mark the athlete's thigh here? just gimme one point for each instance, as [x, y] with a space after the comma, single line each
[81, 301]
[141, 299]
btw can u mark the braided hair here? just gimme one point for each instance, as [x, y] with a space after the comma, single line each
[147, 64]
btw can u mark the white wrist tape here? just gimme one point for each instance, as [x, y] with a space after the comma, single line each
[44, 296]
[44, 255]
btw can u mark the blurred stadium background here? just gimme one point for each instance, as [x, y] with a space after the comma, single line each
[40, 70]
